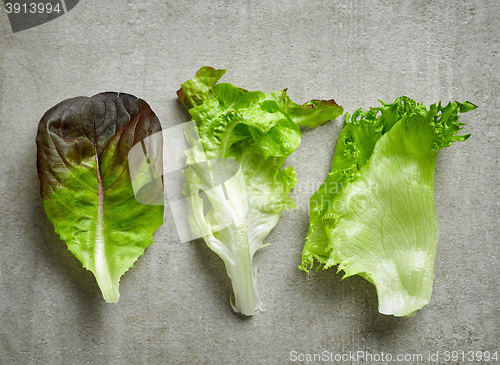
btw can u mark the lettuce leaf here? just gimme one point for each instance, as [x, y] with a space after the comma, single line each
[374, 215]
[235, 182]
[82, 156]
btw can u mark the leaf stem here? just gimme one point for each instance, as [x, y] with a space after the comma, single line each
[102, 273]
[247, 300]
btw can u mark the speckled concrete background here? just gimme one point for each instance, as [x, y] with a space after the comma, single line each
[174, 305]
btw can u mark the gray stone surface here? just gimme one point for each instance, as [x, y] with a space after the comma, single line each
[174, 305]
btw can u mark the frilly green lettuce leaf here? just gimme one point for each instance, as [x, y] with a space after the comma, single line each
[235, 182]
[374, 215]
[83, 146]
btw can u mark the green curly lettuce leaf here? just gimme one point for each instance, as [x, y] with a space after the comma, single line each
[235, 182]
[374, 215]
